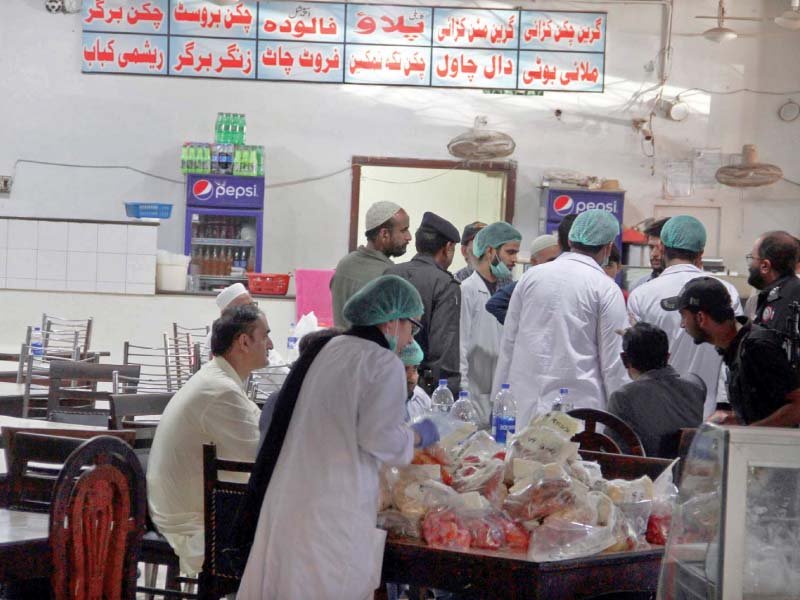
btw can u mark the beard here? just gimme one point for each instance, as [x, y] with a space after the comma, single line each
[756, 279]
[398, 250]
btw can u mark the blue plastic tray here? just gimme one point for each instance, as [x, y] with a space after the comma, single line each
[148, 210]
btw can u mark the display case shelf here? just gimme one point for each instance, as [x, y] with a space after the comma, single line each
[223, 242]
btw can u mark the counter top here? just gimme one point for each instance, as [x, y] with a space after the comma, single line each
[151, 223]
[213, 294]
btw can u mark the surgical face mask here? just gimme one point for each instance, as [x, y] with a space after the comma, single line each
[393, 338]
[499, 269]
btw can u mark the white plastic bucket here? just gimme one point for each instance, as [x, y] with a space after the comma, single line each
[171, 278]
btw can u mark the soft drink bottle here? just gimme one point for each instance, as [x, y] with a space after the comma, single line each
[504, 415]
[561, 403]
[463, 409]
[206, 158]
[259, 161]
[442, 398]
[242, 128]
[218, 128]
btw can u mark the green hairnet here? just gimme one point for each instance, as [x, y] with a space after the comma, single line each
[494, 236]
[412, 354]
[684, 233]
[596, 227]
[383, 299]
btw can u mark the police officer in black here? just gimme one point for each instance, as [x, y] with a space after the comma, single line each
[772, 265]
[436, 240]
[763, 388]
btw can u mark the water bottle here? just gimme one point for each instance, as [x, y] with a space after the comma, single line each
[504, 415]
[37, 349]
[463, 409]
[291, 345]
[442, 398]
[562, 403]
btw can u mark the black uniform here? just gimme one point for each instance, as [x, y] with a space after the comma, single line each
[774, 303]
[441, 296]
[759, 373]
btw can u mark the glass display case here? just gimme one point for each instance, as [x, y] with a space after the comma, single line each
[735, 531]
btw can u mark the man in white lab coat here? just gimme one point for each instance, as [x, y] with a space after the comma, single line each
[561, 326]
[339, 416]
[683, 240]
[211, 408]
[496, 247]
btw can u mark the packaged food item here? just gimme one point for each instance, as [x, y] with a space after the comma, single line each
[558, 421]
[623, 491]
[434, 455]
[386, 480]
[417, 489]
[399, 525]
[487, 527]
[443, 528]
[548, 490]
[540, 444]
[477, 474]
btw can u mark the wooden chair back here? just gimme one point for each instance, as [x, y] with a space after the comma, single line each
[222, 498]
[97, 521]
[73, 385]
[591, 439]
[125, 407]
[30, 486]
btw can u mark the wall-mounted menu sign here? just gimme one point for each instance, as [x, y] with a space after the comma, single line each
[327, 42]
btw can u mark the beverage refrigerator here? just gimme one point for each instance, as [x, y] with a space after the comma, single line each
[224, 228]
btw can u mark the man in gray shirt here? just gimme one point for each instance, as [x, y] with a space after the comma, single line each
[387, 235]
[659, 401]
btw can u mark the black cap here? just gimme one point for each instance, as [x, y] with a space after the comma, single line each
[703, 293]
[445, 228]
[470, 231]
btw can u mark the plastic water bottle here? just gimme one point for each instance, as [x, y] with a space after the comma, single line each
[37, 349]
[291, 345]
[504, 415]
[442, 398]
[463, 409]
[562, 403]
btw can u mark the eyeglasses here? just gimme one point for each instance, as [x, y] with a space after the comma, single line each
[749, 257]
[416, 326]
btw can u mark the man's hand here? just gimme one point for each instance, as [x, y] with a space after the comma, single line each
[724, 417]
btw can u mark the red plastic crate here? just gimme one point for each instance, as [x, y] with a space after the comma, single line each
[274, 284]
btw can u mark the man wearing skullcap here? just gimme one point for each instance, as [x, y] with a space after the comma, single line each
[560, 331]
[233, 295]
[387, 233]
[436, 241]
[683, 239]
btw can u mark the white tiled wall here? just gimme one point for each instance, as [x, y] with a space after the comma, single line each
[81, 257]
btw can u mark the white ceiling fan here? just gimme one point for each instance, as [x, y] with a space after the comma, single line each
[720, 33]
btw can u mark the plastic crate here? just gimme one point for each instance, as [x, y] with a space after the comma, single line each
[274, 284]
[148, 210]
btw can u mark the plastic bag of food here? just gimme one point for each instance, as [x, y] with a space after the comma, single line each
[545, 492]
[482, 445]
[435, 455]
[386, 480]
[588, 473]
[452, 433]
[660, 518]
[443, 528]
[398, 524]
[540, 444]
[417, 489]
[477, 474]
[558, 421]
[624, 491]
[560, 539]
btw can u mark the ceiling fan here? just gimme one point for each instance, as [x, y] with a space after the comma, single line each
[720, 33]
[790, 19]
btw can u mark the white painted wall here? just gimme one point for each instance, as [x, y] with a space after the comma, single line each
[50, 111]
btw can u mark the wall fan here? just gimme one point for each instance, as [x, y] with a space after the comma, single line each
[750, 173]
[720, 33]
[480, 143]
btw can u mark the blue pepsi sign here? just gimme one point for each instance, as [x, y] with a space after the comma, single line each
[563, 202]
[224, 191]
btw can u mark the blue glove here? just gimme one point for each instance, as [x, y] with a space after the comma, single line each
[427, 432]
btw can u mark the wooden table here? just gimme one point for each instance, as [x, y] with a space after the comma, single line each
[11, 395]
[9, 370]
[488, 574]
[24, 547]
[7, 421]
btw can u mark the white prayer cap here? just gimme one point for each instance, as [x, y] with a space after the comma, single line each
[379, 213]
[229, 294]
[542, 242]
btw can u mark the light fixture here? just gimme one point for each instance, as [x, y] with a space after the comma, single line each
[720, 34]
[790, 19]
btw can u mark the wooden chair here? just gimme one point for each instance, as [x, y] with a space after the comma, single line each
[222, 499]
[30, 487]
[65, 394]
[591, 439]
[126, 407]
[97, 522]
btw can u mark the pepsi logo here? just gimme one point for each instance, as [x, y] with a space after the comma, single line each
[563, 205]
[202, 189]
